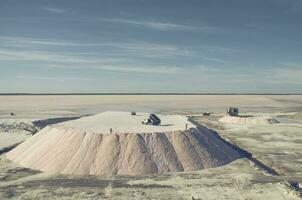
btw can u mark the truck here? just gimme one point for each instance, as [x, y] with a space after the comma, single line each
[232, 111]
[152, 120]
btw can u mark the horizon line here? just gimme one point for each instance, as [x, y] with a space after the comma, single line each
[142, 93]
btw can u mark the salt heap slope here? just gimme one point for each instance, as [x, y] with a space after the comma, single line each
[86, 147]
[247, 120]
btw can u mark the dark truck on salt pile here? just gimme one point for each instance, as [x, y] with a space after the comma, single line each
[152, 120]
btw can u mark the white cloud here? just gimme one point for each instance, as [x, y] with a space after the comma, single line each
[48, 78]
[214, 48]
[123, 57]
[284, 75]
[127, 68]
[73, 61]
[34, 42]
[290, 64]
[134, 48]
[54, 10]
[153, 50]
[49, 56]
[217, 60]
[161, 26]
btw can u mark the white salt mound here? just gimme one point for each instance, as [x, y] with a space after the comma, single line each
[248, 120]
[86, 147]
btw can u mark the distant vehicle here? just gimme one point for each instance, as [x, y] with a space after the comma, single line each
[12, 114]
[232, 111]
[152, 120]
[206, 113]
[133, 113]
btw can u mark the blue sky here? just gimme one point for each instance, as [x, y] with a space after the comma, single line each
[234, 46]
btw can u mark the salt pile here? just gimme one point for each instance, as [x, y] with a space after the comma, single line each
[86, 146]
[242, 120]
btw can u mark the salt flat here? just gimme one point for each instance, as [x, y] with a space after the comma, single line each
[60, 104]
[276, 145]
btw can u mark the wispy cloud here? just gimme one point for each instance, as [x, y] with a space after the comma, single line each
[161, 26]
[124, 57]
[214, 48]
[127, 68]
[290, 64]
[153, 50]
[270, 76]
[48, 78]
[133, 48]
[217, 60]
[33, 42]
[54, 10]
[50, 56]
[73, 61]
[284, 75]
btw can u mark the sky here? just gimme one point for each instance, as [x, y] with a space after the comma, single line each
[151, 46]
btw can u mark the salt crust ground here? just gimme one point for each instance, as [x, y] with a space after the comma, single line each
[67, 148]
[237, 181]
[222, 185]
